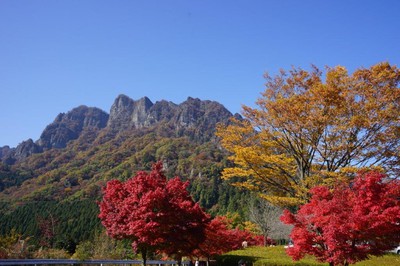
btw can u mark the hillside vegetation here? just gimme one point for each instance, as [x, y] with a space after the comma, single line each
[62, 174]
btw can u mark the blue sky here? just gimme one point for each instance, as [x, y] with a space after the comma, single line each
[57, 55]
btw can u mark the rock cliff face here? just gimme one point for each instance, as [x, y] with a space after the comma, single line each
[201, 114]
[25, 149]
[6, 154]
[5, 151]
[69, 126]
[193, 114]
[126, 113]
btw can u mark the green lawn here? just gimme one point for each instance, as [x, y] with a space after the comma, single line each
[276, 256]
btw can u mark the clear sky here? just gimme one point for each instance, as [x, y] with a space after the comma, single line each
[58, 54]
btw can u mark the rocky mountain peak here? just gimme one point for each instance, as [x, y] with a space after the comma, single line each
[126, 113]
[6, 154]
[193, 114]
[141, 111]
[69, 126]
[25, 149]
[4, 151]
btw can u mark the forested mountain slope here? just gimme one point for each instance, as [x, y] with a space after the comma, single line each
[84, 148]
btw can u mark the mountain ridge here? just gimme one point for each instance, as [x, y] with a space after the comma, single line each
[125, 114]
[84, 147]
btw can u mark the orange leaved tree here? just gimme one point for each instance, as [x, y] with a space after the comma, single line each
[308, 131]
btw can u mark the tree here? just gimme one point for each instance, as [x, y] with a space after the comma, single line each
[184, 221]
[103, 247]
[14, 246]
[307, 131]
[47, 228]
[156, 214]
[219, 239]
[266, 217]
[347, 224]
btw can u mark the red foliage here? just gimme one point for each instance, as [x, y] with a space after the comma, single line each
[347, 224]
[260, 240]
[155, 213]
[220, 239]
[244, 235]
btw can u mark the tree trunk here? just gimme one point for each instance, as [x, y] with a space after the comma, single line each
[144, 255]
[179, 260]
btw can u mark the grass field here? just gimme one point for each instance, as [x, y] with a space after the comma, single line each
[276, 256]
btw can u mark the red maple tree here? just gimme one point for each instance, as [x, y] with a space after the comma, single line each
[349, 223]
[220, 238]
[155, 213]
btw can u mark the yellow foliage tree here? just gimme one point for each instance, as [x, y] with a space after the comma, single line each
[307, 131]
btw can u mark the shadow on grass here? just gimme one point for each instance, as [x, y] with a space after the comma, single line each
[233, 260]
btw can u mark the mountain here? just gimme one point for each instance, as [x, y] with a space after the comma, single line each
[84, 148]
[194, 118]
[69, 126]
